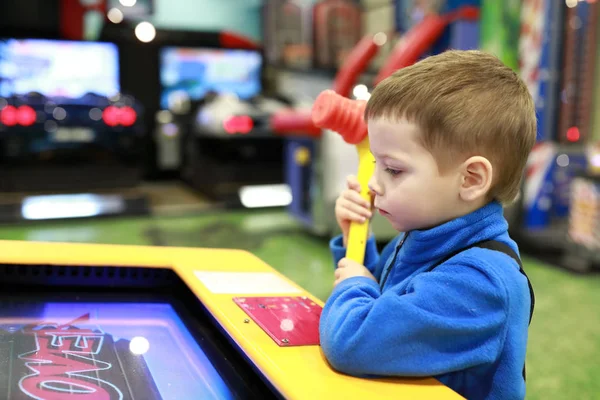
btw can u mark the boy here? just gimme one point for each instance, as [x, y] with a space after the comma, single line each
[450, 136]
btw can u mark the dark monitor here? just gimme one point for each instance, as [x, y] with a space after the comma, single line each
[58, 68]
[199, 71]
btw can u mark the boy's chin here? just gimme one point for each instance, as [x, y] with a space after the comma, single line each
[406, 226]
[411, 223]
[400, 226]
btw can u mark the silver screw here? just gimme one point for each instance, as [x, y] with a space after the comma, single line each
[285, 341]
[246, 321]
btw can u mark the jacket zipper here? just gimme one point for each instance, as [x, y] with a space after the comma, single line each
[391, 265]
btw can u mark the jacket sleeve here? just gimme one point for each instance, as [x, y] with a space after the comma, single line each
[450, 319]
[373, 261]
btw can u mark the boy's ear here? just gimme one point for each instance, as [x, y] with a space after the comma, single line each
[477, 175]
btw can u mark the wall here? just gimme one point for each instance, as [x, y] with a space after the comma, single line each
[242, 16]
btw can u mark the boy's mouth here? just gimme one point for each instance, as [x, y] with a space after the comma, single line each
[383, 212]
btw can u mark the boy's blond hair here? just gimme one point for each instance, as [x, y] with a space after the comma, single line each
[466, 103]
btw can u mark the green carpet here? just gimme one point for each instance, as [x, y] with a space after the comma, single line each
[564, 344]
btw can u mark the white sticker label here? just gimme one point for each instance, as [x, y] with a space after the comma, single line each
[245, 282]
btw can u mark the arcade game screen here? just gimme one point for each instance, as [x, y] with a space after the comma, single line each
[104, 350]
[57, 68]
[198, 71]
[61, 125]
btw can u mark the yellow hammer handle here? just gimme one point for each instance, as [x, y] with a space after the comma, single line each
[359, 232]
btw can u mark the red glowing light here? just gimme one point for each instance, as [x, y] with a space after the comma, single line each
[8, 116]
[110, 116]
[238, 124]
[127, 116]
[113, 116]
[573, 134]
[26, 116]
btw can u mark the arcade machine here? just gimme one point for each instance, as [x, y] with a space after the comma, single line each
[66, 129]
[559, 71]
[221, 157]
[135, 322]
[292, 45]
[500, 29]
[318, 163]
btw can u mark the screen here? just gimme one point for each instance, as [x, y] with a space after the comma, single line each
[55, 68]
[101, 351]
[197, 72]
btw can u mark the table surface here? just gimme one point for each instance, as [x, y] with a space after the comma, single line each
[298, 372]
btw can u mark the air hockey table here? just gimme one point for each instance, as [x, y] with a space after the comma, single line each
[100, 322]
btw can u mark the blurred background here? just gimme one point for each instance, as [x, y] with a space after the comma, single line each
[187, 123]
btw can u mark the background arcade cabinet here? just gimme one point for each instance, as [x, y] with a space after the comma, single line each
[223, 146]
[66, 128]
[558, 49]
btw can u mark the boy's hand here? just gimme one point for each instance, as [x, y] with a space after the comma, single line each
[348, 269]
[350, 207]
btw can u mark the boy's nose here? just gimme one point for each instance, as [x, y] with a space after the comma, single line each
[375, 187]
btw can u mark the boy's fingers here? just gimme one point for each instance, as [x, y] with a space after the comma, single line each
[354, 209]
[354, 217]
[355, 198]
[353, 183]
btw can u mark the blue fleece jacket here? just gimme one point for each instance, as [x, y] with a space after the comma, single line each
[465, 322]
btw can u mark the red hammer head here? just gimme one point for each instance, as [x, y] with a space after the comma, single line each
[340, 114]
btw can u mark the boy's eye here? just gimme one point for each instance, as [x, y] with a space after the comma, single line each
[392, 171]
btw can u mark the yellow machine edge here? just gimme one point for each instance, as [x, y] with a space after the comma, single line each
[300, 372]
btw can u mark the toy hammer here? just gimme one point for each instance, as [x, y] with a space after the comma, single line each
[346, 117]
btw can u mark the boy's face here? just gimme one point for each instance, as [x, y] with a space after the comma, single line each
[409, 190]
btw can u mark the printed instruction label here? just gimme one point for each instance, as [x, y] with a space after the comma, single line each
[245, 282]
